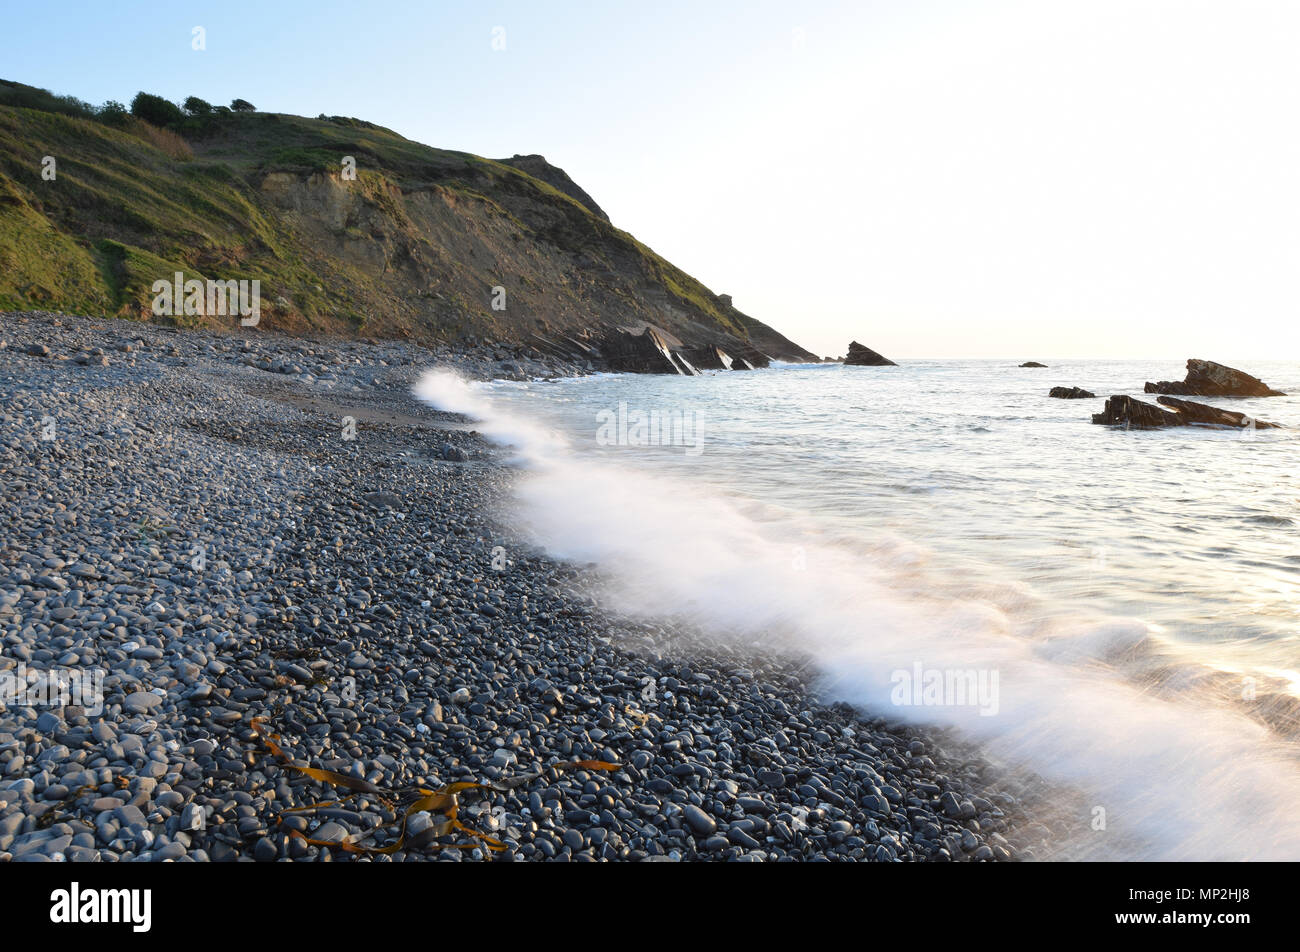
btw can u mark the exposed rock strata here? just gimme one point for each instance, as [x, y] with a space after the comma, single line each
[1122, 410]
[860, 356]
[1205, 378]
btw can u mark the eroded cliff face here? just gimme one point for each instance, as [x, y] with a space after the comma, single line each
[446, 259]
[419, 243]
[557, 178]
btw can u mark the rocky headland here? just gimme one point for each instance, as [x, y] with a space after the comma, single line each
[351, 230]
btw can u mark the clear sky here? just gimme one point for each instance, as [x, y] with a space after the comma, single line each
[931, 177]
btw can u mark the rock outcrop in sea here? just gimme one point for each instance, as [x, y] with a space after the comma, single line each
[860, 356]
[652, 350]
[1205, 378]
[647, 350]
[1122, 410]
[1071, 393]
[736, 357]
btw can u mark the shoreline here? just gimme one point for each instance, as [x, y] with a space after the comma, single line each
[237, 552]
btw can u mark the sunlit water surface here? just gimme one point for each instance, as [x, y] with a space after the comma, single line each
[1138, 593]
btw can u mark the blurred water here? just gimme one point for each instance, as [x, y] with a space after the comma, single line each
[1192, 530]
[1135, 593]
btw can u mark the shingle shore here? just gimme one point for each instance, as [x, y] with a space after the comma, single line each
[191, 514]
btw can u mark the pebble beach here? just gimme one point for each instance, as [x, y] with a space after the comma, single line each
[231, 527]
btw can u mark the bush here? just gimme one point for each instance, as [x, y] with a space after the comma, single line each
[113, 113]
[156, 111]
[72, 106]
[242, 105]
[196, 106]
[29, 97]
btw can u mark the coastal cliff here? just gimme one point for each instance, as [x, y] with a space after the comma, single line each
[350, 229]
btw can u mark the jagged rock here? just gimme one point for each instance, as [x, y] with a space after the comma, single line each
[860, 356]
[1124, 411]
[1205, 378]
[1033, 363]
[709, 357]
[745, 356]
[565, 347]
[645, 351]
[1212, 416]
[1072, 393]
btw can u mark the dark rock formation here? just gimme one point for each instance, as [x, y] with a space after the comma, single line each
[1125, 411]
[645, 349]
[713, 357]
[1205, 378]
[1033, 363]
[648, 350]
[1212, 416]
[860, 356]
[708, 357]
[1072, 393]
[747, 357]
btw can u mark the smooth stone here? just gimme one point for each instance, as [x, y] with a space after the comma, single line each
[141, 702]
[698, 820]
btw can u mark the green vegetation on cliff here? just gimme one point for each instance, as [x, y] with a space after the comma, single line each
[345, 223]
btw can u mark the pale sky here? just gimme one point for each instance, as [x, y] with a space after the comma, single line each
[931, 177]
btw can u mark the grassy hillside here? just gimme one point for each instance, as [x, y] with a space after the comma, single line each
[413, 246]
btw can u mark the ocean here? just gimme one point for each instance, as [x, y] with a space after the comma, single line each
[1113, 613]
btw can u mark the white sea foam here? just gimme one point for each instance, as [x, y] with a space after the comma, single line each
[1177, 780]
